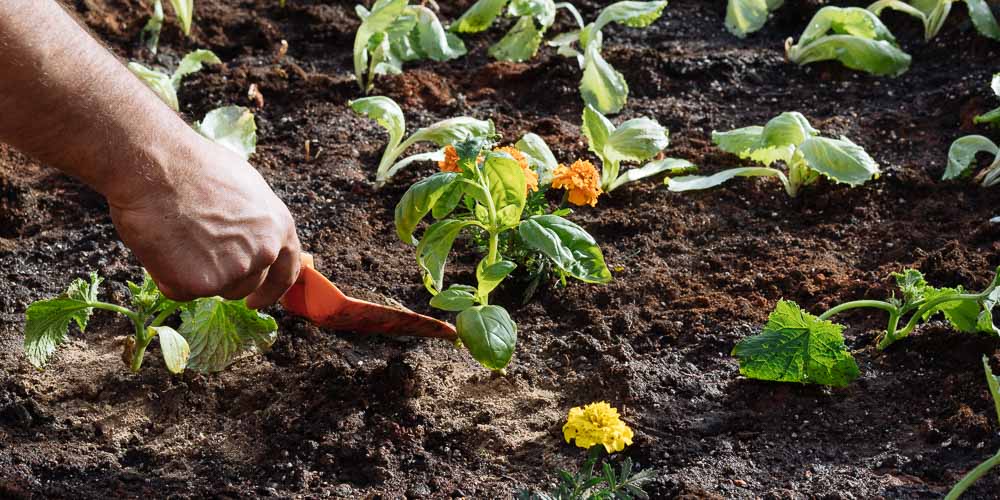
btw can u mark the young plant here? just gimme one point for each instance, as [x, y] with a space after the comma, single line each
[636, 140]
[852, 35]
[602, 86]
[213, 332]
[166, 86]
[151, 32]
[962, 159]
[534, 18]
[790, 139]
[993, 384]
[387, 113]
[485, 191]
[747, 16]
[393, 33]
[932, 13]
[796, 346]
[232, 127]
[991, 117]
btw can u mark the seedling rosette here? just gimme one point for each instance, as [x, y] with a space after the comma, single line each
[854, 36]
[486, 192]
[932, 14]
[792, 141]
[394, 32]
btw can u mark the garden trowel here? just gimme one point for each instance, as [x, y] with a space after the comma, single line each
[317, 299]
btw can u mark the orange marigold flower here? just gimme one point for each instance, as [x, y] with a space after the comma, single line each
[580, 180]
[517, 155]
[450, 162]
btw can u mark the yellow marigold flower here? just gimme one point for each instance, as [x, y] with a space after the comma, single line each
[450, 162]
[517, 155]
[597, 423]
[580, 180]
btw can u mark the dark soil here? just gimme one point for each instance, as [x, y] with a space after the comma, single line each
[331, 414]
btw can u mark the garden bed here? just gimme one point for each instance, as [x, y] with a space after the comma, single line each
[338, 414]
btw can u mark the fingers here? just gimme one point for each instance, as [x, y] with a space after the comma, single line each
[280, 277]
[245, 286]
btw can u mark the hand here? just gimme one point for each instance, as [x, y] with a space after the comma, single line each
[215, 229]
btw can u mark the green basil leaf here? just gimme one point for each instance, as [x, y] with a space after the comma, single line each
[418, 201]
[158, 82]
[47, 321]
[435, 42]
[570, 248]
[448, 201]
[455, 299]
[231, 127]
[479, 17]
[192, 63]
[738, 141]
[796, 346]
[519, 44]
[602, 86]
[218, 331]
[489, 334]
[697, 182]
[433, 250]
[636, 140]
[175, 349]
[490, 276]
[508, 187]
[385, 112]
[839, 159]
[982, 18]
[962, 155]
[666, 165]
[539, 157]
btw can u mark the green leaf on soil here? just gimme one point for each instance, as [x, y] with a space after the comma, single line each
[47, 321]
[218, 331]
[489, 334]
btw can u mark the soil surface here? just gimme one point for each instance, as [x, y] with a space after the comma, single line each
[338, 414]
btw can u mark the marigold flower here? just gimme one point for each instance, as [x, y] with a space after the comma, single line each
[597, 423]
[450, 162]
[580, 180]
[517, 155]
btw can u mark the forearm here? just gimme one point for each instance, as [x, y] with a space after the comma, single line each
[67, 101]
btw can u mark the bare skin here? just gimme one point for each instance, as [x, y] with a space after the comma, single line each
[200, 219]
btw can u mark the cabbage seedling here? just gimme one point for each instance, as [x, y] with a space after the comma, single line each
[232, 127]
[387, 113]
[747, 16]
[932, 13]
[487, 193]
[521, 43]
[854, 36]
[790, 139]
[991, 117]
[151, 32]
[166, 86]
[636, 140]
[796, 346]
[392, 33]
[993, 385]
[962, 159]
[213, 332]
[602, 86]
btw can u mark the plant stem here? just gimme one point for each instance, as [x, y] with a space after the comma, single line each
[857, 304]
[142, 340]
[973, 476]
[164, 314]
[115, 308]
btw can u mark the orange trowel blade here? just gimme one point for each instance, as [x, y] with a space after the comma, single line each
[317, 299]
